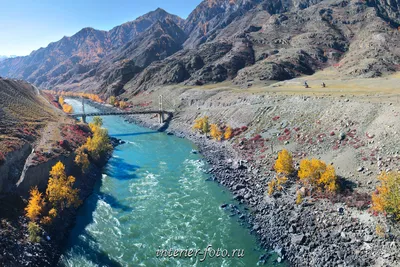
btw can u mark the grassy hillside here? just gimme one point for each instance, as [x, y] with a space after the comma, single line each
[23, 112]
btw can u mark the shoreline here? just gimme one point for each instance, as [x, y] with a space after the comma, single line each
[310, 234]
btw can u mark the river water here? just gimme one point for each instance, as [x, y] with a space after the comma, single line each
[154, 195]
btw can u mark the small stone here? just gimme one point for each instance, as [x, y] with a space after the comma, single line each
[298, 239]
[368, 238]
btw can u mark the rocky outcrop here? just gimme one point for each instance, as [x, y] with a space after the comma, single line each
[12, 167]
[38, 175]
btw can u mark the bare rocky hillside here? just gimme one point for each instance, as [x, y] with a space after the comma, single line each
[239, 40]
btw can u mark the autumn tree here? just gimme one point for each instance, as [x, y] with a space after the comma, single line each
[60, 191]
[198, 124]
[123, 105]
[276, 184]
[228, 133]
[284, 163]
[316, 173]
[386, 198]
[206, 126]
[81, 158]
[215, 132]
[98, 121]
[61, 100]
[202, 125]
[112, 100]
[99, 143]
[50, 217]
[67, 108]
[35, 204]
[34, 231]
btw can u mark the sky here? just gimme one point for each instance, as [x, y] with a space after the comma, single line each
[27, 25]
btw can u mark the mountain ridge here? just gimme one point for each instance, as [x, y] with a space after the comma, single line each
[236, 40]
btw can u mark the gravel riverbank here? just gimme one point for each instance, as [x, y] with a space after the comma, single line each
[313, 233]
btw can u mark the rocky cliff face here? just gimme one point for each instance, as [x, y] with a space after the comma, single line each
[221, 39]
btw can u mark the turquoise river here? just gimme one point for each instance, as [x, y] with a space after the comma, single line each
[154, 195]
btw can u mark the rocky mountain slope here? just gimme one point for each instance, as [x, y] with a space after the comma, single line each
[76, 57]
[239, 40]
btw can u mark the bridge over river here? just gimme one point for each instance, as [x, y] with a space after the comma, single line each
[160, 112]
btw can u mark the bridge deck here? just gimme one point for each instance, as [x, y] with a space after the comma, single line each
[117, 113]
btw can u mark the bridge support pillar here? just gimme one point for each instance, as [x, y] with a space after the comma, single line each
[84, 118]
[161, 117]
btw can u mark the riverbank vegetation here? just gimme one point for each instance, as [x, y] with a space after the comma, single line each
[117, 103]
[216, 132]
[313, 174]
[386, 198]
[95, 146]
[93, 97]
[67, 108]
[60, 194]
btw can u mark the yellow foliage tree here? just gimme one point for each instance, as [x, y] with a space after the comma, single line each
[123, 105]
[61, 100]
[271, 186]
[198, 124]
[387, 196]
[228, 133]
[215, 132]
[202, 125]
[49, 219]
[314, 172]
[99, 143]
[112, 100]
[60, 191]
[299, 198]
[82, 158]
[35, 204]
[284, 163]
[67, 108]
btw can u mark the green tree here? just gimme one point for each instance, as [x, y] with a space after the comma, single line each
[112, 100]
[98, 121]
[34, 230]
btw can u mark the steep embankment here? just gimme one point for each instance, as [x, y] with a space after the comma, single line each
[23, 115]
[354, 131]
[34, 135]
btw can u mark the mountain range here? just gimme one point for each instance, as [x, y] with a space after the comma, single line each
[5, 57]
[237, 40]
